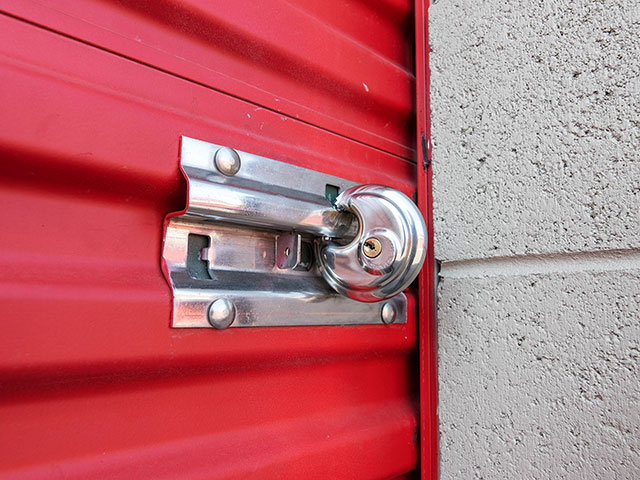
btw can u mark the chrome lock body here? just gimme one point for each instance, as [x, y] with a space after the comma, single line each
[265, 243]
[388, 250]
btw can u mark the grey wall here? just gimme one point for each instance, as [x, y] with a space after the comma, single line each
[536, 148]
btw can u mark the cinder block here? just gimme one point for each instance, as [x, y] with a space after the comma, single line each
[539, 376]
[535, 126]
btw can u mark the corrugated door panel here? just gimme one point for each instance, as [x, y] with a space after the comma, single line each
[93, 381]
[343, 66]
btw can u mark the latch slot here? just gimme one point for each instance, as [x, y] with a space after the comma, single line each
[197, 263]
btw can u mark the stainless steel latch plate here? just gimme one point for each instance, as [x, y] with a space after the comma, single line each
[243, 254]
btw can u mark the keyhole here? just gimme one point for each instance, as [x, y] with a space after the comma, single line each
[372, 247]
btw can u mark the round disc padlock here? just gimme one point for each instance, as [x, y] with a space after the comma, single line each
[388, 251]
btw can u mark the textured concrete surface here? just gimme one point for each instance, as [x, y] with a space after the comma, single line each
[539, 377]
[536, 149]
[536, 126]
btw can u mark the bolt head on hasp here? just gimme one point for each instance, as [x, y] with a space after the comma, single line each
[221, 313]
[227, 161]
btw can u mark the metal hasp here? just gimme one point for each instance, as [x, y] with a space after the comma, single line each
[266, 243]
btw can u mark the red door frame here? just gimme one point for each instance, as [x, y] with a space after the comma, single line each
[427, 313]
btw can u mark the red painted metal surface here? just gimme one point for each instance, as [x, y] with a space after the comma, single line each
[427, 304]
[93, 382]
[344, 66]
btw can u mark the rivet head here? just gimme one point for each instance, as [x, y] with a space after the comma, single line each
[227, 161]
[389, 313]
[221, 313]
[372, 247]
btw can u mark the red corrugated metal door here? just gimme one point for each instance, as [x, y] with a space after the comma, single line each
[95, 96]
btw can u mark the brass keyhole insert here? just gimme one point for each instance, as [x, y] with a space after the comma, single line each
[372, 247]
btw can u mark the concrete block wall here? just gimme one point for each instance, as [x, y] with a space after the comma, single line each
[536, 150]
